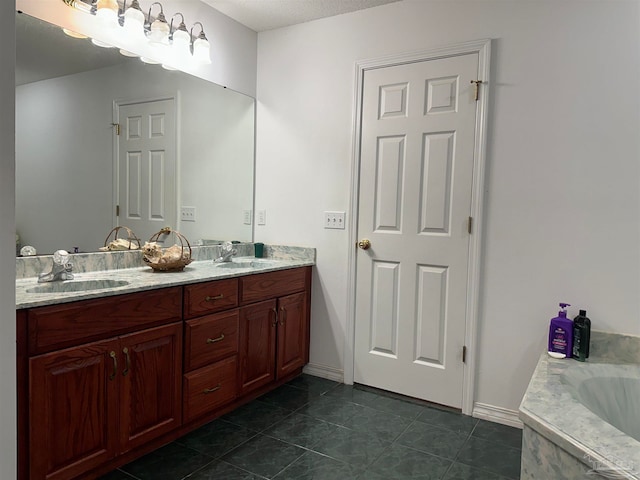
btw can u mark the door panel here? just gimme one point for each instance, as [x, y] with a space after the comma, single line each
[72, 410]
[147, 189]
[416, 171]
[292, 333]
[257, 345]
[151, 376]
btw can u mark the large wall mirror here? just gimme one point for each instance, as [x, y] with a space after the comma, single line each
[72, 171]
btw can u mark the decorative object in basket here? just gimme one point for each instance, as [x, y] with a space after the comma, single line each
[121, 243]
[171, 259]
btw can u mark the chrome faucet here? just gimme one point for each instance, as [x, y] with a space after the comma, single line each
[226, 252]
[60, 270]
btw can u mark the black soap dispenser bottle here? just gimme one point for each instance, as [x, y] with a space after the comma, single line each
[581, 336]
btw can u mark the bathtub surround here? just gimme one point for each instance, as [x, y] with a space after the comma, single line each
[563, 438]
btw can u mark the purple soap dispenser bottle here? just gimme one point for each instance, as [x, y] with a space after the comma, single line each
[561, 334]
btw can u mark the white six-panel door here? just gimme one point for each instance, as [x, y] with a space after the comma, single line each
[416, 172]
[146, 167]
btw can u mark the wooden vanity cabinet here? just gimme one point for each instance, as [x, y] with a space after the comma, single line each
[274, 334]
[103, 381]
[93, 401]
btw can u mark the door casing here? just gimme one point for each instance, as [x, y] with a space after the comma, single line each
[483, 49]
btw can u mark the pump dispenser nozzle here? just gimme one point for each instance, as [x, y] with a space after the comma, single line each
[563, 306]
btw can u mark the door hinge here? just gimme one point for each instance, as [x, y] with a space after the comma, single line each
[469, 225]
[464, 354]
[117, 210]
[477, 84]
[117, 127]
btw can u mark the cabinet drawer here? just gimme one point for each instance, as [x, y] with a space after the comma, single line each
[209, 387]
[255, 288]
[58, 326]
[210, 338]
[210, 297]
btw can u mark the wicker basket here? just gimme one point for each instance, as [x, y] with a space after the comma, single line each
[171, 259]
[121, 243]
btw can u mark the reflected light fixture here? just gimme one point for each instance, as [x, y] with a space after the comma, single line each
[200, 48]
[107, 12]
[73, 34]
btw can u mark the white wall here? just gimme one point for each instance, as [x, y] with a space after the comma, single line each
[7, 247]
[67, 174]
[562, 204]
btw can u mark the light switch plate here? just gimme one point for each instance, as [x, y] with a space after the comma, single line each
[188, 214]
[247, 217]
[262, 217]
[334, 220]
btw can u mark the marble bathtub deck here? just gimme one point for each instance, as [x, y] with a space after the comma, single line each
[550, 410]
[313, 428]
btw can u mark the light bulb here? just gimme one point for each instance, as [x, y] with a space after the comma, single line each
[73, 34]
[159, 35]
[107, 12]
[134, 23]
[201, 50]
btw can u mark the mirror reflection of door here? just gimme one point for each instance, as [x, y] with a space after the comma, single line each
[146, 186]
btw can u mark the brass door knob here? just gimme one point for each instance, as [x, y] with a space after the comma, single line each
[364, 244]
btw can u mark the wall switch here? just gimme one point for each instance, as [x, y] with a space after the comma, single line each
[262, 217]
[188, 214]
[247, 217]
[334, 220]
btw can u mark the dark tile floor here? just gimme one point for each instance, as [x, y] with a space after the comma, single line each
[312, 428]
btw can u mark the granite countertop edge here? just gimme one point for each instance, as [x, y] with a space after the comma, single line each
[144, 278]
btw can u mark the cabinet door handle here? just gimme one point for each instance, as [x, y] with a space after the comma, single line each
[112, 354]
[275, 315]
[216, 297]
[214, 340]
[211, 390]
[127, 359]
[283, 315]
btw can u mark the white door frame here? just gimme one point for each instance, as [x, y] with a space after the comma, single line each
[175, 97]
[483, 49]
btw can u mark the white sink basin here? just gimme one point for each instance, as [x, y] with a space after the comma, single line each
[76, 286]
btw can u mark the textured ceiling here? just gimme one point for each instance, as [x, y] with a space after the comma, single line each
[261, 15]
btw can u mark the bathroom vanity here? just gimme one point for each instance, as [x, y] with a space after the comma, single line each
[106, 379]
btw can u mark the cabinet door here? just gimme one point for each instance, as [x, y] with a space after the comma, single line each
[151, 377]
[257, 345]
[73, 410]
[292, 333]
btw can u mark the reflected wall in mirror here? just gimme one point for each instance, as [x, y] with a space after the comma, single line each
[65, 144]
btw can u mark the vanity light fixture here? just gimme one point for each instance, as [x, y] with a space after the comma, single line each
[159, 29]
[147, 29]
[107, 11]
[133, 20]
[200, 48]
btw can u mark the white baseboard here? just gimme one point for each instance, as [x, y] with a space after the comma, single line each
[324, 371]
[497, 414]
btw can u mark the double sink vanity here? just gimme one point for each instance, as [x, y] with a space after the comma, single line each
[121, 359]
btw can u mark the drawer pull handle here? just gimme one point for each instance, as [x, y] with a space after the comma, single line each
[275, 315]
[217, 297]
[214, 340]
[211, 390]
[127, 359]
[112, 354]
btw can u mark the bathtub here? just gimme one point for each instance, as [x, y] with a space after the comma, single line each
[582, 420]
